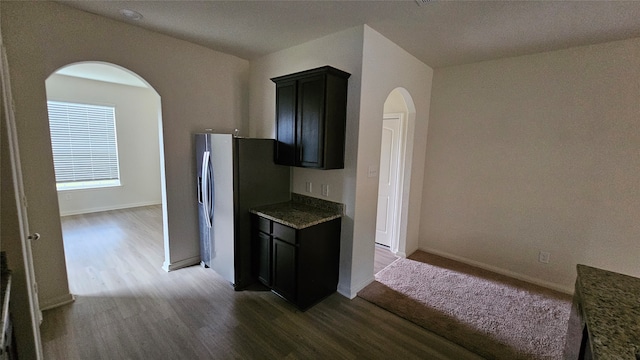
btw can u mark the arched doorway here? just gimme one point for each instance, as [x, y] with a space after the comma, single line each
[391, 223]
[135, 175]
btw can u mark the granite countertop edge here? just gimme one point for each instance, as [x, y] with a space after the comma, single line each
[609, 301]
[297, 225]
[301, 211]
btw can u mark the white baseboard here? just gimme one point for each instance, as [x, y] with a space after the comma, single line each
[56, 302]
[344, 291]
[180, 264]
[509, 273]
[352, 292]
[400, 254]
[108, 208]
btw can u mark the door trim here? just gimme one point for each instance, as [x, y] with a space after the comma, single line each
[21, 203]
[396, 207]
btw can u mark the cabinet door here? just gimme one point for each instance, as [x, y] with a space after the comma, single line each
[286, 98]
[264, 258]
[284, 269]
[310, 125]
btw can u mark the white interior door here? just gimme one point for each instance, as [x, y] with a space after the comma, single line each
[21, 206]
[388, 181]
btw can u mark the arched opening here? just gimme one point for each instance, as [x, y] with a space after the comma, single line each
[105, 124]
[396, 141]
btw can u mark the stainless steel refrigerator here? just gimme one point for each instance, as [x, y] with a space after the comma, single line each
[233, 175]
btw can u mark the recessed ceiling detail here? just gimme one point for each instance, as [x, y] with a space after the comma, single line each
[423, 2]
[131, 14]
[440, 33]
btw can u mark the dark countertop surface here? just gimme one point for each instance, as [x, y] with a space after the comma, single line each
[301, 212]
[611, 310]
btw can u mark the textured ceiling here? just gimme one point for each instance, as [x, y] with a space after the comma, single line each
[440, 33]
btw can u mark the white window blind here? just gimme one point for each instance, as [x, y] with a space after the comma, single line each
[83, 140]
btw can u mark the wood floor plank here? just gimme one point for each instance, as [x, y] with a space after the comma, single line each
[382, 258]
[127, 307]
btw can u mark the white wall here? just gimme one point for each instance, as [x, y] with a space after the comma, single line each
[384, 66]
[533, 153]
[137, 124]
[199, 88]
[342, 50]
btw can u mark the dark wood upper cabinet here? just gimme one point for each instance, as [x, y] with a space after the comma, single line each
[311, 113]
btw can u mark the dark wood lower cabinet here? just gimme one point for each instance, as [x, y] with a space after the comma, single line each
[299, 265]
[283, 265]
[264, 257]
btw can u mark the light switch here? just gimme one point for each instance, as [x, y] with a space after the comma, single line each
[373, 171]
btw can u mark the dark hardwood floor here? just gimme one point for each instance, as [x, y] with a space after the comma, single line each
[127, 307]
[382, 258]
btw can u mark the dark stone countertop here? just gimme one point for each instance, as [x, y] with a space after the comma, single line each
[301, 212]
[611, 310]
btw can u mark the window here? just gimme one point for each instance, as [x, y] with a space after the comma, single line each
[83, 140]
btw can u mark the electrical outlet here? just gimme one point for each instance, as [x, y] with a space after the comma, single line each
[308, 186]
[324, 188]
[543, 257]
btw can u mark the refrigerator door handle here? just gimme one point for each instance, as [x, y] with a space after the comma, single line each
[205, 187]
